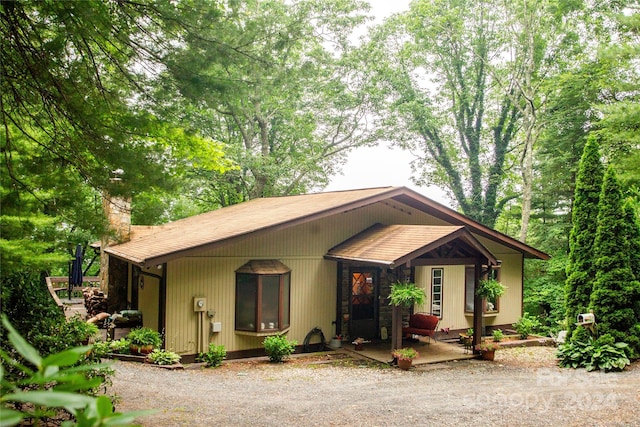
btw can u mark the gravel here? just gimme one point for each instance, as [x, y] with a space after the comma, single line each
[522, 387]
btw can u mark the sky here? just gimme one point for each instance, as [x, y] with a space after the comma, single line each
[383, 165]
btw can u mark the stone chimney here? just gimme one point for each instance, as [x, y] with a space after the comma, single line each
[117, 210]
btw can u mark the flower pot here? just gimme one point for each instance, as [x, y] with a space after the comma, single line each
[358, 347]
[405, 364]
[140, 349]
[488, 354]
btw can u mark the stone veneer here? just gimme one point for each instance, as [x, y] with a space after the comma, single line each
[386, 277]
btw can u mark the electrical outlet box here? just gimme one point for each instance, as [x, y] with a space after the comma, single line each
[199, 304]
[216, 326]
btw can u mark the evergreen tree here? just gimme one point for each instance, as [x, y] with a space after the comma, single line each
[581, 268]
[614, 289]
[633, 235]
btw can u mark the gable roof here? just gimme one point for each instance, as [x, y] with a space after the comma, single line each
[393, 245]
[213, 229]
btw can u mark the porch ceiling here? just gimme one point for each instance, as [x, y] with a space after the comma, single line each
[394, 245]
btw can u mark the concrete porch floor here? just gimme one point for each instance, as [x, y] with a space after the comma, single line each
[435, 352]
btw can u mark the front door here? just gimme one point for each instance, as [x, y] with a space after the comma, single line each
[363, 303]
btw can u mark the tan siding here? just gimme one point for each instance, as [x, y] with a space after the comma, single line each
[313, 279]
[321, 235]
[511, 301]
[452, 296]
[453, 315]
[312, 300]
[149, 299]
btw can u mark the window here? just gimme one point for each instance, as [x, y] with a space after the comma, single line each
[487, 306]
[263, 297]
[436, 291]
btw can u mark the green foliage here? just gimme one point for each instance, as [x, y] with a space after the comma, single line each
[100, 349]
[144, 336]
[544, 288]
[51, 383]
[283, 107]
[406, 353]
[121, 346]
[490, 289]
[526, 325]
[214, 356]
[406, 295]
[498, 335]
[615, 292]
[278, 347]
[163, 357]
[604, 354]
[581, 267]
[81, 328]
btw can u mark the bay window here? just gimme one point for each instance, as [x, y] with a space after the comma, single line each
[263, 297]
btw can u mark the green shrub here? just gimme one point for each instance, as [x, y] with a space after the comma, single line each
[498, 335]
[163, 357]
[213, 357]
[278, 347]
[594, 354]
[121, 346]
[52, 384]
[144, 336]
[100, 349]
[526, 325]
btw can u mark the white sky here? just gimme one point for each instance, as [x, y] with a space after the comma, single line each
[382, 166]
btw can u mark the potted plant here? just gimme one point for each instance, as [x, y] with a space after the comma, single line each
[83, 330]
[490, 289]
[405, 357]
[488, 349]
[406, 295]
[144, 340]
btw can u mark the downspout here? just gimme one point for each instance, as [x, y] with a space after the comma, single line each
[162, 312]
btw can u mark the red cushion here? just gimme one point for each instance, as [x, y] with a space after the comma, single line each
[423, 321]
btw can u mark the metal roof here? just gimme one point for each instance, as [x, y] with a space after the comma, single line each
[393, 245]
[216, 228]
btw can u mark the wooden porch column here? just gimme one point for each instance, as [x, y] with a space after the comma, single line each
[396, 327]
[477, 306]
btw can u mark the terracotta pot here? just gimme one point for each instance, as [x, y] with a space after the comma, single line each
[140, 349]
[358, 347]
[488, 354]
[405, 364]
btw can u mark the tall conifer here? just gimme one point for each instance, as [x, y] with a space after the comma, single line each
[614, 295]
[581, 268]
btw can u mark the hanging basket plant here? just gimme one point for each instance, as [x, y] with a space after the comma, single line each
[490, 289]
[406, 295]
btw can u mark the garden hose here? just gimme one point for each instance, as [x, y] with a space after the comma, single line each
[314, 331]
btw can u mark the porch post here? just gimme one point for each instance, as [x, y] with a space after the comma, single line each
[396, 327]
[477, 306]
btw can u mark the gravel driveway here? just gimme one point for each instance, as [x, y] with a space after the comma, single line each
[522, 387]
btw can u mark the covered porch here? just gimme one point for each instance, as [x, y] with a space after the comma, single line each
[434, 352]
[369, 262]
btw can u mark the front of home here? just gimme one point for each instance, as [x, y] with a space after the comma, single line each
[327, 260]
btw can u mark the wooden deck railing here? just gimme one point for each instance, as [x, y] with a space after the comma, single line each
[60, 284]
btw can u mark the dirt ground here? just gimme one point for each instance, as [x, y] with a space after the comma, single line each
[522, 387]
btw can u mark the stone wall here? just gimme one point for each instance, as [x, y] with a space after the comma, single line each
[385, 278]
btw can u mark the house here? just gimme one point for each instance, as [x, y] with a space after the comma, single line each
[288, 264]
